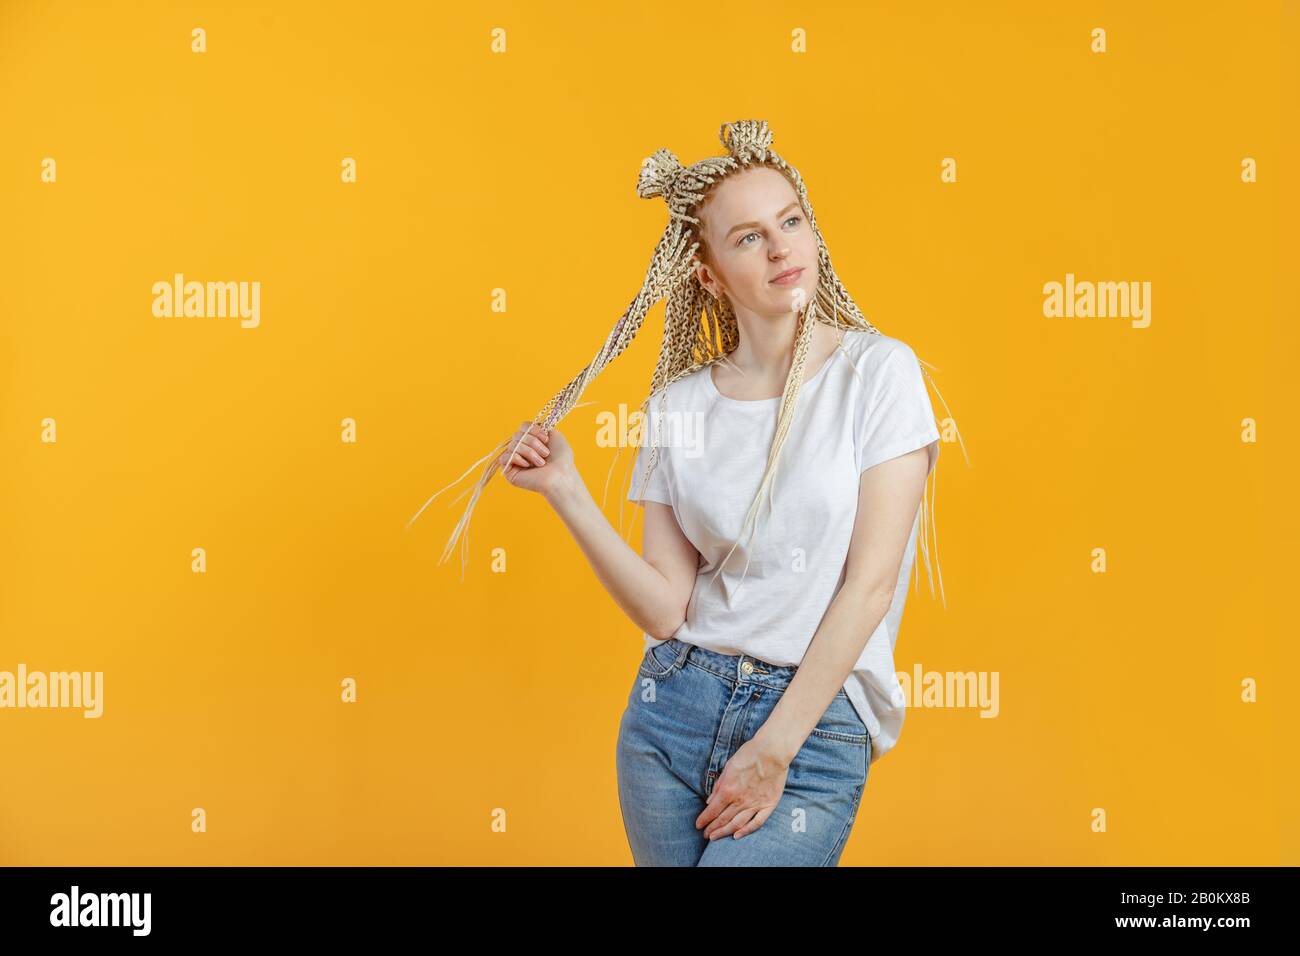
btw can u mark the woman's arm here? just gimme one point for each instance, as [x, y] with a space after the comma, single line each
[653, 590]
[753, 779]
[888, 499]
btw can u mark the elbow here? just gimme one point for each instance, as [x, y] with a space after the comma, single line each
[880, 601]
[664, 628]
[664, 633]
[876, 596]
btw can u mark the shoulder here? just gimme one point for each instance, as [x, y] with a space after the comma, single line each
[875, 356]
[874, 347]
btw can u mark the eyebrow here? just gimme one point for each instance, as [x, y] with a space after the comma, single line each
[755, 225]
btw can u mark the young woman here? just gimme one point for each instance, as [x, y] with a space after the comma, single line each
[767, 687]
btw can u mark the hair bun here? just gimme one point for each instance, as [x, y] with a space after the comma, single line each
[746, 140]
[658, 175]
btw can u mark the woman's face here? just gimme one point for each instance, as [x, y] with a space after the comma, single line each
[755, 229]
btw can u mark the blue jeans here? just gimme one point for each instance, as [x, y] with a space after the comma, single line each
[690, 709]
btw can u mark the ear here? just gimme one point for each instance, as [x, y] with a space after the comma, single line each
[705, 275]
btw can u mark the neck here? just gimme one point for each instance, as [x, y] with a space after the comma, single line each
[766, 343]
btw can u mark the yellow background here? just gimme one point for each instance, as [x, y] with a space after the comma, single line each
[479, 171]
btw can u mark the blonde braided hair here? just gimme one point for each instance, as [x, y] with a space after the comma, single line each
[699, 330]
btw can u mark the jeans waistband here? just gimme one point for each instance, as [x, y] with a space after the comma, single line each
[739, 668]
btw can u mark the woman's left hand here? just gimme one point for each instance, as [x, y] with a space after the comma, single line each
[745, 795]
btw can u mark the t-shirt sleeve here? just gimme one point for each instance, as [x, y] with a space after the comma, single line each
[898, 417]
[657, 487]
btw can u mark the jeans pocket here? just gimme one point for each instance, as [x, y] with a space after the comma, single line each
[660, 660]
[841, 723]
[837, 753]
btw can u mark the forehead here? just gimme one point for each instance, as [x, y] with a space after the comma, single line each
[753, 194]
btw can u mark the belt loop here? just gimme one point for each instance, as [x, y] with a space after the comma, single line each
[681, 654]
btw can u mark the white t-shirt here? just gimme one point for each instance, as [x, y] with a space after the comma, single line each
[711, 458]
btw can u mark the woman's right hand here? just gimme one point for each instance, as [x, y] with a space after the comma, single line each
[540, 463]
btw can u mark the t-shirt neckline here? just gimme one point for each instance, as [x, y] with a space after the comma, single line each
[763, 402]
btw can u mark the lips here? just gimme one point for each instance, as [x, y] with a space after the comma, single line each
[788, 275]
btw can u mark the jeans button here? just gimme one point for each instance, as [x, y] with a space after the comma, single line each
[747, 667]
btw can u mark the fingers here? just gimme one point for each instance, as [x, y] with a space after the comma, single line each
[740, 822]
[526, 448]
[517, 460]
[735, 823]
[530, 444]
[538, 436]
[723, 824]
[525, 454]
[711, 809]
[757, 821]
[712, 815]
[726, 815]
[535, 448]
[506, 458]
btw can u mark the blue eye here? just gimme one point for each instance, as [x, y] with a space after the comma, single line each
[742, 242]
